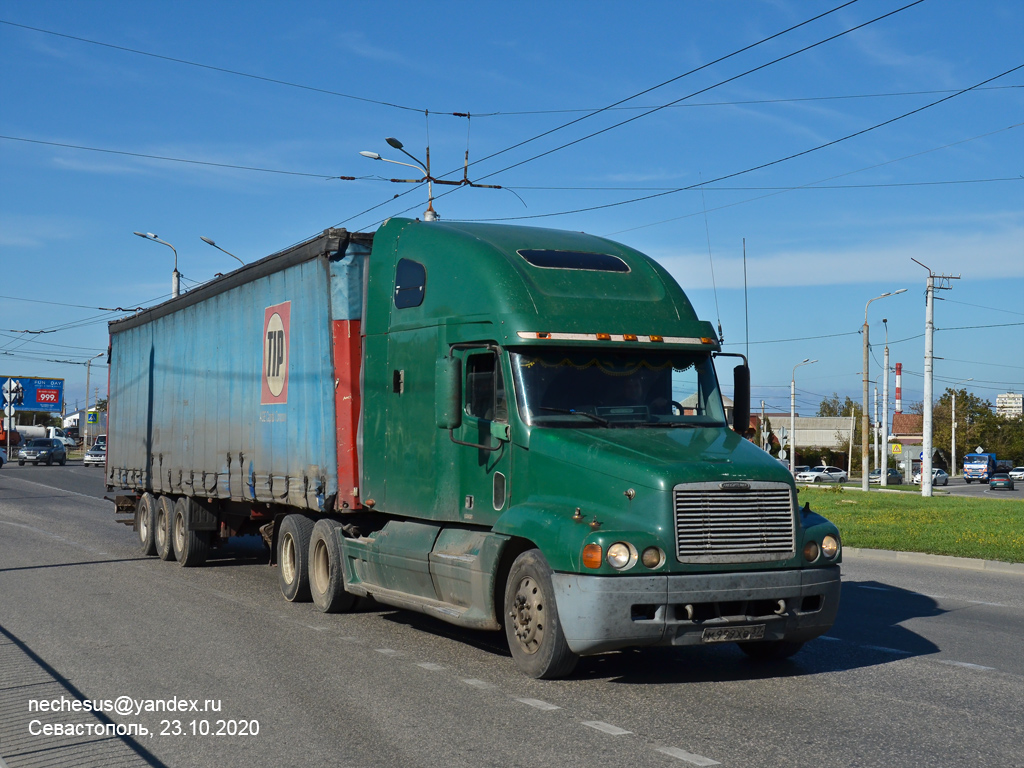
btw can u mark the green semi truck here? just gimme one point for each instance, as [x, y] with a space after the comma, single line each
[506, 428]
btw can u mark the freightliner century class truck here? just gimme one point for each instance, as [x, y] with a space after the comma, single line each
[501, 427]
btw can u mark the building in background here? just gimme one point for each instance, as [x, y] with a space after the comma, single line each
[1009, 404]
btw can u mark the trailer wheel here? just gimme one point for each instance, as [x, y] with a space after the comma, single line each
[770, 650]
[162, 528]
[145, 519]
[190, 547]
[532, 626]
[293, 557]
[326, 573]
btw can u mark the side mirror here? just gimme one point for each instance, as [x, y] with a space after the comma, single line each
[448, 393]
[741, 398]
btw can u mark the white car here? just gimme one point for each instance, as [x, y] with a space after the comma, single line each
[1017, 473]
[822, 474]
[95, 456]
[939, 477]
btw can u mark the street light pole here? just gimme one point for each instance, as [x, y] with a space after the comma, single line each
[962, 381]
[88, 369]
[864, 458]
[208, 241]
[792, 415]
[430, 214]
[175, 275]
[885, 410]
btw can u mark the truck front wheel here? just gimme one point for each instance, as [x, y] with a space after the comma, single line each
[145, 518]
[771, 650]
[293, 557]
[532, 627]
[190, 547]
[326, 573]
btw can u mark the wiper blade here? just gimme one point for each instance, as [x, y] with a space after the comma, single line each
[574, 412]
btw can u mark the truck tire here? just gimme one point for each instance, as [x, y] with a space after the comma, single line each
[162, 528]
[326, 573]
[190, 547]
[532, 627]
[145, 521]
[293, 558]
[771, 650]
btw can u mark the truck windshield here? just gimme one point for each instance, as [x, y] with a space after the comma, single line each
[573, 388]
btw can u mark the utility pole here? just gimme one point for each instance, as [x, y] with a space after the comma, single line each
[929, 333]
[874, 429]
[953, 468]
[864, 417]
[885, 410]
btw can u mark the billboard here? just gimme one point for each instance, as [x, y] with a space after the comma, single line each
[31, 394]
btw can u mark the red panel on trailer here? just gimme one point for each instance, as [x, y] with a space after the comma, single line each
[348, 353]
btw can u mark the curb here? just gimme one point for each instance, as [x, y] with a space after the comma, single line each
[946, 561]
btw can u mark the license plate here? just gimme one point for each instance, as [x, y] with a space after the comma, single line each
[733, 634]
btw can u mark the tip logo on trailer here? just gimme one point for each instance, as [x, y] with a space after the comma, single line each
[276, 324]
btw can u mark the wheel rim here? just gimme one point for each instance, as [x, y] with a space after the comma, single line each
[179, 532]
[288, 558]
[527, 615]
[144, 526]
[320, 573]
[161, 530]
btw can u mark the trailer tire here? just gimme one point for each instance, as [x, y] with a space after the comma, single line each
[326, 572]
[162, 528]
[145, 520]
[771, 650]
[532, 627]
[293, 557]
[190, 547]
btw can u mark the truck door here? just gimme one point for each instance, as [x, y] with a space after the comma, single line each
[484, 451]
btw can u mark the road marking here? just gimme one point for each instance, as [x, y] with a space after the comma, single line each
[682, 754]
[388, 652]
[61, 490]
[832, 639]
[481, 684]
[965, 665]
[538, 704]
[611, 730]
[431, 666]
[883, 649]
[875, 589]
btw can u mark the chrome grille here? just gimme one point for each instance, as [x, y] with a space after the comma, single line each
[714, 525]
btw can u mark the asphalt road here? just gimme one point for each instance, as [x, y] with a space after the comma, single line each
[922, 668]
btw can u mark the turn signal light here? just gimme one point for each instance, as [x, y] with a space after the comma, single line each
[656, 338]
[592, 555]
[706, 340]
[604, 337]
[629, 336]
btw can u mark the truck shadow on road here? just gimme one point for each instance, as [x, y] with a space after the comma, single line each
[868, 632]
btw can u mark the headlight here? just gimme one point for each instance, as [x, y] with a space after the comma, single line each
[653, 557]
[621, 556]
[830, 546]
[811, 551]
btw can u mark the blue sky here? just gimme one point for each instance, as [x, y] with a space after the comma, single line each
[825, 231]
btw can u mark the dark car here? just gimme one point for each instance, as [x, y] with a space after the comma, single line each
[893, 477]
[43, 449]
[1000, 480]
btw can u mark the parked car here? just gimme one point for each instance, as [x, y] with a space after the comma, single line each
[939, 477]
[3, 458]
[822, 474]
[893, 476]
[43, 449]
[1000, 480]
[1017, 473]
[95, 456]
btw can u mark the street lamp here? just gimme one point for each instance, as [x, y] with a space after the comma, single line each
[962, 381]
[208, 241]
[175, 275]
[864, 412]
[429, 214]
[88, 369]
[792, 415]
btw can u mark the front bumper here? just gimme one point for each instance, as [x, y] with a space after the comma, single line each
[604, 613]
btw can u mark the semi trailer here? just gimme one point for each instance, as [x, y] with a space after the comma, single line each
[506, 428]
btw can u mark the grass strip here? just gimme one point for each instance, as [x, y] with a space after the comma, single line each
[988, 528]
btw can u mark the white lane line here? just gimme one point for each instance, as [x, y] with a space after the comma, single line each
[481, 684]
[965, 665]
[431, 666]
[388, 652]
[831, 639]
[883, 649]
[875, 589]
[682, 754]
[538, 704]
[982, 602]
[611, 730]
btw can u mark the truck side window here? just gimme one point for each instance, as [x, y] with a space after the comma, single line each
[485, 388]
[410, 283]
